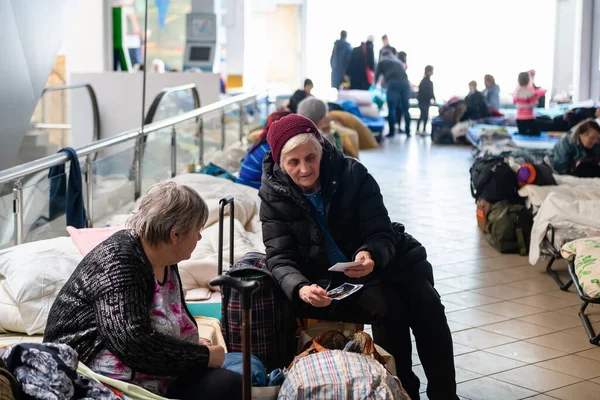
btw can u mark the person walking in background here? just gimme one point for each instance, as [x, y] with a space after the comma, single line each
[491, 92]
[424, 97]
[340, 56]
[526, 99]
[386, 46]
[399, 113]
[361, 66]
[398, 90]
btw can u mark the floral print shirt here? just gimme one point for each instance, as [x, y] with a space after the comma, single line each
[168, 316]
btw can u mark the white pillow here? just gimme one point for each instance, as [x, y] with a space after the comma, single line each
[370, 111]
[31, 275]
[10, 318]
[361, 97]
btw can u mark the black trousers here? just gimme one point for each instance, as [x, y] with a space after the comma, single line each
[556, 124]
[424, 107]
[528, 127]
[398, 95]
[393, 310]
[213, 383]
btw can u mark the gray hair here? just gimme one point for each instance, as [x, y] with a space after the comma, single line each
[313, 109]
[299, 140]
[167, 207]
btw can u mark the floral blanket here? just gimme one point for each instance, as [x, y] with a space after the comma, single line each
[49, 371]
[587, 263]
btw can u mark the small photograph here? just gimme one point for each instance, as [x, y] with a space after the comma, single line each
[343, 291]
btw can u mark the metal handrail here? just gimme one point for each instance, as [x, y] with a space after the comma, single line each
[168, 91]
[93, 99]
[89, 152]
[141, 147]
[21, 171]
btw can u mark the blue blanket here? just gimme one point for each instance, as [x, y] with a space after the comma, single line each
[526, 142]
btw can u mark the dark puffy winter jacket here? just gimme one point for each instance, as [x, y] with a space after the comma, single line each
[476, 106]
[356, 217]
[356, 68]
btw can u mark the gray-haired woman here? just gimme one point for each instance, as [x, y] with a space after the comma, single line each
[123, 309]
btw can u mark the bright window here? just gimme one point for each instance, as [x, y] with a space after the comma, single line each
[462, 39]
[166, 28]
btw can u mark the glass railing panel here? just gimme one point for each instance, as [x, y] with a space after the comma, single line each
[156, 164]
[252, 114]
[64, 116]
[188, 147]
[7, 221]
[113, 192]
[232, 125]
[212, 135]
[44, 216]
[174, 103]
[114, 172]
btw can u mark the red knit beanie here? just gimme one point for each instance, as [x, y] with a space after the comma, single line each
[286, 128]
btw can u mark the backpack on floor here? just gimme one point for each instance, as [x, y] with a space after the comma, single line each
[508, 227]
[273, 324]
[493, 180]
[441, 131]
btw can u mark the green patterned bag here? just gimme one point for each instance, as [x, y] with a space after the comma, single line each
[587, 265]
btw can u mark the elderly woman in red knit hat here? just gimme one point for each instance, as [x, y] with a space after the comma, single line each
[320, 208]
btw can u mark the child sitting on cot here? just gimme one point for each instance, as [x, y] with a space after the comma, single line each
[526, 98]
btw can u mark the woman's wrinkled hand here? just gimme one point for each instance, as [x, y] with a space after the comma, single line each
[362, 270]
[314, 295]
[205, 342]
[216, 356]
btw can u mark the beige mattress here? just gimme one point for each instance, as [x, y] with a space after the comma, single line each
[209, 328]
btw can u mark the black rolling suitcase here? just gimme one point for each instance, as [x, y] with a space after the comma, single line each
[245, 289]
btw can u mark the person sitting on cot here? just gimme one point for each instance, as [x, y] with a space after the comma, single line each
[578, 152]
[123, 308]
[320, 208]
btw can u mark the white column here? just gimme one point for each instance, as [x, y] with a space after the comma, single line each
[207, 6]
[595, 54]
[32, 33]
[235, 24]
[582, 58]
[85, 41]
[564, 37]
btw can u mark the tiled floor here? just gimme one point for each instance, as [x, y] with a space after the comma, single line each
[516, 334]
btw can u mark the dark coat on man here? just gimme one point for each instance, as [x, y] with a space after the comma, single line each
[340, 56]
[361, 58]
[477, 108]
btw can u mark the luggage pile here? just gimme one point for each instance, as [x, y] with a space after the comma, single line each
[259, 330]
[501, 213]
[450, 114]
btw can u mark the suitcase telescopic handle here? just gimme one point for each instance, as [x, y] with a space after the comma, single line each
[224, 202]
[245, 288]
